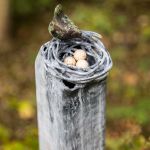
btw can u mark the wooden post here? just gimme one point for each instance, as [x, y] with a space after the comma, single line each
[71, 101]
[69, 118]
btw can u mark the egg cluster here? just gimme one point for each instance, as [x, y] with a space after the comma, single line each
[78, 59]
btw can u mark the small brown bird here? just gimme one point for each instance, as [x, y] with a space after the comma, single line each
[62, 27]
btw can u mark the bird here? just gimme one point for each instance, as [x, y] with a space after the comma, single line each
[61, 27]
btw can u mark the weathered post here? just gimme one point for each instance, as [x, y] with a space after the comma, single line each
[71, 100]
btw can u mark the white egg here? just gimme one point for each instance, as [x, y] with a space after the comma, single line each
[82, 64]
[70, 61]
[80, 54]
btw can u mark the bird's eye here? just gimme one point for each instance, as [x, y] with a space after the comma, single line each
[65, 17]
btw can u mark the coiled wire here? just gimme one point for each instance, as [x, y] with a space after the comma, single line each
[98, 57]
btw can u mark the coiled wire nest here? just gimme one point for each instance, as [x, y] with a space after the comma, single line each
[98, 58]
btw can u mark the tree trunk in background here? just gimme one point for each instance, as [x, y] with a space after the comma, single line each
[4, 18]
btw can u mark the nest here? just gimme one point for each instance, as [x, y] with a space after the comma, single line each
[98, 58]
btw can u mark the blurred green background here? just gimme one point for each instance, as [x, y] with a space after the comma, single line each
[125, 27]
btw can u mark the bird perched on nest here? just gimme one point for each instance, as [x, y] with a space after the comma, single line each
[62, 27]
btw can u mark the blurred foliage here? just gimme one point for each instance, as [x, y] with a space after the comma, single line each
[146, 33]
[93, 20]
[26, 7]
[127, 142]
[4, 134]
[139, 112]
[125, 27]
